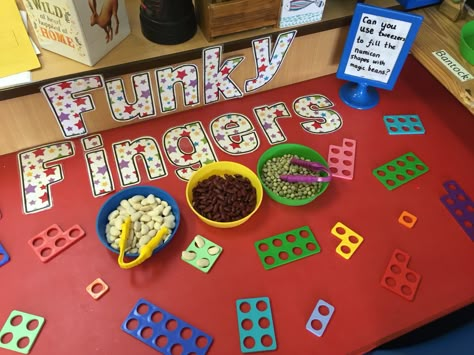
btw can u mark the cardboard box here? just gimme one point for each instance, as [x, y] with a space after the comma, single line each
[300, 12]
[83, 30]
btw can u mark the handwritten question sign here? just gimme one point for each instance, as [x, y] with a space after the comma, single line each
[376, 48]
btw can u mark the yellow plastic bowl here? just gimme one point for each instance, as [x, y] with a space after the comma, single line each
[221, 168]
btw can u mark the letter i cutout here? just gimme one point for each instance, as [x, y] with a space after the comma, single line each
[98, 167]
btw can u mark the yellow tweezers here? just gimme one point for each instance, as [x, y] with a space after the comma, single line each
[145, 252]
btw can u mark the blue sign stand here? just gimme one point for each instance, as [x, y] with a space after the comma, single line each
[359, 95]
[376, 48]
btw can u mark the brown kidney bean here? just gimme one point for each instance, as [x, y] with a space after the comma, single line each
[224, 198]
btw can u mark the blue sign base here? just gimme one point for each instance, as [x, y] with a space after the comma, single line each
[359, 95]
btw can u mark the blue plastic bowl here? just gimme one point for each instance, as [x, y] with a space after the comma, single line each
[114, 201]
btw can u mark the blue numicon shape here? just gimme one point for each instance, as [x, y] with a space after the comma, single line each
[319, 316]
[255, 321]
[166, 330]
[403, 124]
[4, 257]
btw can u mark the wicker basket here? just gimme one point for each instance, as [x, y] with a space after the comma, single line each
[232, 16]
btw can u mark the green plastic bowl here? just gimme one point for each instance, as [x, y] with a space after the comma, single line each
[294, 149]
[466, 45]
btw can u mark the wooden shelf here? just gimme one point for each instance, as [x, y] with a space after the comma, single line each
[136, 53]
[438, 32]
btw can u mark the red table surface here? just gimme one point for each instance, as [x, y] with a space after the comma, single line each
[366, 314]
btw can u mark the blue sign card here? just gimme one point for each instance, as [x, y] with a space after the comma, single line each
[376, 47]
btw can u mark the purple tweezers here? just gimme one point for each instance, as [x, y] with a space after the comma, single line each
[307, 178]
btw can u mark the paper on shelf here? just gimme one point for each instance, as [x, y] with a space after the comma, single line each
[17, 51]
[24, 17]
[15, 79]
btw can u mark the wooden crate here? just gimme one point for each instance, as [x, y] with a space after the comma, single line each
[232, 16]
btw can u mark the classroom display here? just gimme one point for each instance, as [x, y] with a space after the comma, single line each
[193, 297]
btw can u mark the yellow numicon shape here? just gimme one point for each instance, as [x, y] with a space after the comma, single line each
[350, 240]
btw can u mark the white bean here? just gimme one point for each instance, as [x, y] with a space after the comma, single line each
[157, 226]
[150, 224]
[113, 214]
[137, 226]
[188, 255]
[169, 224]
[158, 219]
[151, 233]
[160, 209]
[145, 218]
[154, 212]
[146, 208]
[202, 263]
[122, 211]
[118, 222]
[114, 231]
[125, 204]
[144, 230]
[135, 241]
[137, 198]
[110, 238]
[164, 203]
[213, 250]
[151, 199]
[199, 241]
[136, 216]
[133, 250]
[166, 210]
[136, 206]
[143, 240]
[169, 218]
